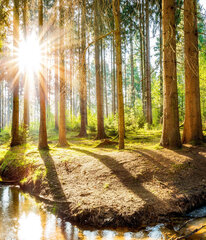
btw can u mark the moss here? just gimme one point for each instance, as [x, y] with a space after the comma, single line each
[180, 167]
[39, 174]
[24, 180]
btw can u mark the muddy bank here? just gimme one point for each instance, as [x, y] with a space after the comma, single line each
[100, 188]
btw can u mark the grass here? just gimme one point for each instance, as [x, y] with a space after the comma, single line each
[29, 155]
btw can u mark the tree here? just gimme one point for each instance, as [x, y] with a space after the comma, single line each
[113, 76]
[56, 82]
[42, 88]
[170, 133]
[15, 117]
[62, 117]
[121, 129]
[193, 123]
[99, 81]
[56, 88]
[132, 66]
[26, 83]
[83, 83]
[161, 71]
[147, 69]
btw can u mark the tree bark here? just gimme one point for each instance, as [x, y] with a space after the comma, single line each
[99, 81]
[42, 89]
[148, 72]
[193, 123]
[83, 80]
[132, 68]
[15, 140]
[161, 70]
[143, 57]
[62, 115]
[121, 128]
[105, 84]
[56, 97]
[26, 83]
[170, 134]
[125, 76]
[113, 79]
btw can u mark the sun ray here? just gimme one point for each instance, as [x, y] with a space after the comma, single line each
[29, 55]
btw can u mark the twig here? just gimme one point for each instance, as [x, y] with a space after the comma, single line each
[190, 234]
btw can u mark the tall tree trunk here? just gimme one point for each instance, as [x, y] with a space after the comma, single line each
[141, 53]
[113, 79]
[15, 118]
[71, 62]
[42, 89]
[170, 134]
[105, 84]
[99, 81]
[56, 97]
[71, 84]
[132, 67]
[193, 123]
[148, 72]
[26, 81]
[116, 13]
[161, 70]
[62, 114]
[144, 79]
[89, 80]
[56, 78]
[125, 76]
[83, 77]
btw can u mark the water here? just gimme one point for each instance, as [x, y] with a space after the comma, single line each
[23, 218]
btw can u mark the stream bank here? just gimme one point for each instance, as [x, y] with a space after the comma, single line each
[103, 188]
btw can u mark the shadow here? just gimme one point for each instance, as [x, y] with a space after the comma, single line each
[156, 159]
[52, 177]
[132, 183]
[13, 165]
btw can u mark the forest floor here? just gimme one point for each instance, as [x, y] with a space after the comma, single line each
[105, 187]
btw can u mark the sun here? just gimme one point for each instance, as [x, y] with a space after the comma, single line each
[29, 55]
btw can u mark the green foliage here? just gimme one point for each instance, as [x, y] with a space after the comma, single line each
[73, 123]
[111, 125]
[92, 121]
[39, 174]
[134, 118]
[5, 135]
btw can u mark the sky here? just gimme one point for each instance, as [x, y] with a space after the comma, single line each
[203, 3]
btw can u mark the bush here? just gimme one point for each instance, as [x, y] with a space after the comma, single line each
[92, 121]
[111, 125]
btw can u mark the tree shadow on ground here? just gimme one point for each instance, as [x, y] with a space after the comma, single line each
[132, 183]
[162, 162]
[52, 177]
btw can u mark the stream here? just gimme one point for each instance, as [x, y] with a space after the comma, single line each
[22, 217]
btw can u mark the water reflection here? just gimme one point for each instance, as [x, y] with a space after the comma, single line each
[21, 218]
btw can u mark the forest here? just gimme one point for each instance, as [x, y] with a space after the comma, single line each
[105, 95]
[79, 67]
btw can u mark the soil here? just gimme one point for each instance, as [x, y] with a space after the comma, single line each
[132, 188]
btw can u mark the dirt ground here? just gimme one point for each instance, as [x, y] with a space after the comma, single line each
[103, 188]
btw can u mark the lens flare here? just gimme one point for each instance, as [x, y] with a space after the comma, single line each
[29, 55]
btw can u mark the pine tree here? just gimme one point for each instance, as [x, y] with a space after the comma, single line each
[42, 88]
[121, 128]
[170, 133]
[15, 140]
[193, 123]
[62, 115]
